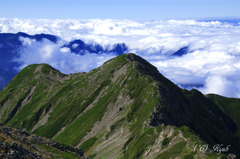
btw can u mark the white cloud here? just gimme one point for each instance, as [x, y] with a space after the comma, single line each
[221, 85]
[213, 47]
[26, 41]
[75, 46]
[60, 58]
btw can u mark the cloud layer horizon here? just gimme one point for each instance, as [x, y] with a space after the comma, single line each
[210, 60]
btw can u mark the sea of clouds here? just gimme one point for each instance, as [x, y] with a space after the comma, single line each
[212, 62]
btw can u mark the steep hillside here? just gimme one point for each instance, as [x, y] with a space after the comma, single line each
[123, 109]
[230, 106]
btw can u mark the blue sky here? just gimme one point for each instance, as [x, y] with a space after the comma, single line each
[119, 9]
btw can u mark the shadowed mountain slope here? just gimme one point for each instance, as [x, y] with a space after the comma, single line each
[230, 106]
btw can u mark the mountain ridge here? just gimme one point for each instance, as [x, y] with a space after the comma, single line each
[114, 108]
[11, 45]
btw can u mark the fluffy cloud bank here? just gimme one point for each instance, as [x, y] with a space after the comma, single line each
[60, 58]
[211, 62]
[221, 85]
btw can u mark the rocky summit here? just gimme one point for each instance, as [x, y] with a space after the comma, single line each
[123, 109]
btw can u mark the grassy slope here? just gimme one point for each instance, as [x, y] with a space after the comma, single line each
[71, 117]
[230, 106]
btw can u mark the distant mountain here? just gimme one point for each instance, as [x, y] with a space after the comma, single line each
[181, 51]
[123, 109]
[79, 47]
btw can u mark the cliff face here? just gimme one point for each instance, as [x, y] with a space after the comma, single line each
[124, 109]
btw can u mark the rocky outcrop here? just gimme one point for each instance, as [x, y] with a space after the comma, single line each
[15, 150]
[16, 144]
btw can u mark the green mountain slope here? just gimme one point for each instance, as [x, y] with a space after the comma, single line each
[123, 109]
[230, 106]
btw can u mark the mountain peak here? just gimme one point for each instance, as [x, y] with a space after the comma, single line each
[144, 67]
[35, 73]
[142, 63]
